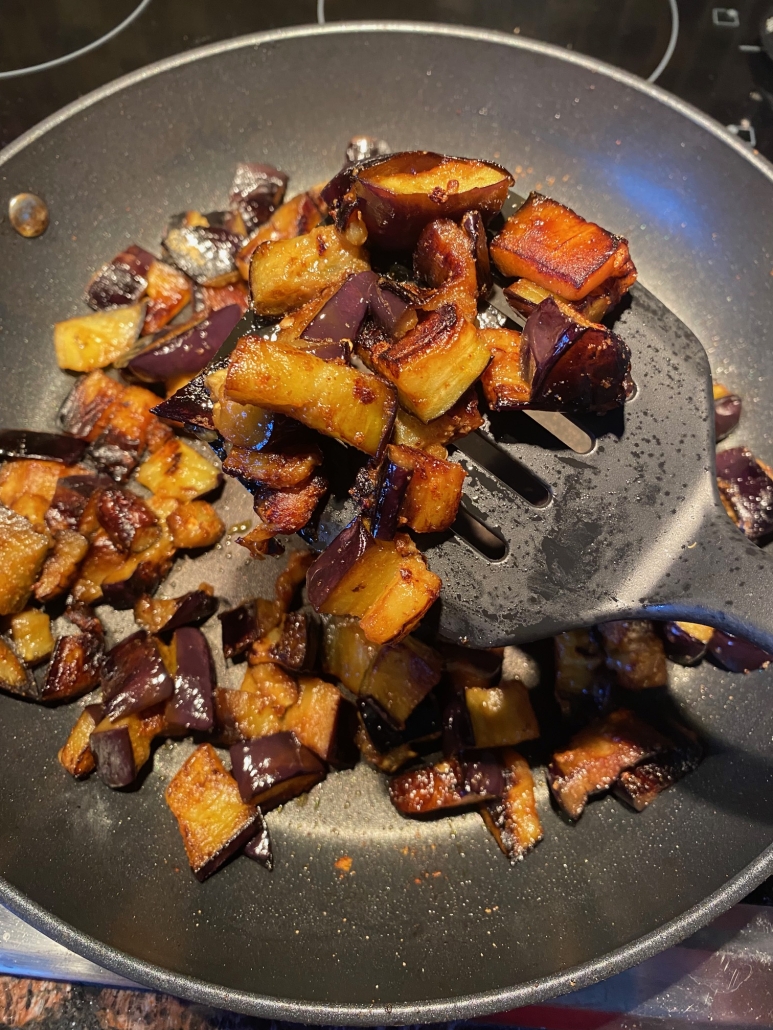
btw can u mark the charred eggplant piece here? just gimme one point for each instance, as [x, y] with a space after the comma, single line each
[639, 786]
[28, 487]
[259, 848]
[746, 488]
[434, 491]
[239, 628]
[727, 411]
[83, 616]
[23, 443]
[122, 281]
[284, 274]
[736, 654]
[435, 363]
[92, 341]
[214, 821]
[501, 716]
[574, 365]
[127, 427]
[194, 681]
[15, 678]
[451, 784]
[195, 524]
[137, 574]
[389, 500]
[256, 192]
[513, 819]
[400, 676]
[127, 520]
[505, 381]
[582, 678]
[393, 307]
[76, 756]
[75, 668]
[177, 470]
[285, 510]
[444, 259]
[279, 468]
[163, 616]
[273, 770]
[398, 195]
[635, 653]
[314, 716]
[134, 677]
[462, 418]
[473, 225]
[188, 352]
[70, 499]
[31, 635]
[205, 253]
[167, 294]
[296, 649]
[339, 401]
[597, 755]
[686, 642]
[551, 245]
[22, 552]
[84, 410]
[386, 584]
[295, 217]
[423, 724]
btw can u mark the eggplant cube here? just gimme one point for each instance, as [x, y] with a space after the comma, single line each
[14, 676]
[746, 489]
[346, 651]
[337, 400]
[451, 784]
[134, 676]
[505, 382]
[259, 848]
[314, 717]
[22, 552]
[98, 339]
[296, 649]
[194, 681]
[513, 819]
[31, 633]
[195, 524]
[635, 653]
[113, 754]
[501, 716]
[274, 769]
[76, 756]
[435, 363]
[400, 677]
[177, 470]
[284, 274]
[214, 821]
[163, 616]
[75, 667]
[434, 491]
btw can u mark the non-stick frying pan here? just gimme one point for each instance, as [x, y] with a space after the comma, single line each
[431, 923]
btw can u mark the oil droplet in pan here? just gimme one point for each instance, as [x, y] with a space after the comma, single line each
[28, 214]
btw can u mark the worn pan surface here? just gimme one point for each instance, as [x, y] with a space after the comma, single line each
[431, 923]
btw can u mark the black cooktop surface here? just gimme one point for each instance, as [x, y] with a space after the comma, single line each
[715, 57]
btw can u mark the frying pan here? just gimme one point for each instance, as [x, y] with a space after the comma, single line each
[430, 923]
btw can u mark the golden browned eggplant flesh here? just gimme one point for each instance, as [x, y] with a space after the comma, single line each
[368, 292]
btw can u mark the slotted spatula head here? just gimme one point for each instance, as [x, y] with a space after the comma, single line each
[632, 528]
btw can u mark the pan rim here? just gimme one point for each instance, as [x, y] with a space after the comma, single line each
[433, 1010]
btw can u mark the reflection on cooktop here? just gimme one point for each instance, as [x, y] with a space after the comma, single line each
[714, 57]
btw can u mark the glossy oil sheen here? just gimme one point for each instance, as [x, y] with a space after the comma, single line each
[430, 923]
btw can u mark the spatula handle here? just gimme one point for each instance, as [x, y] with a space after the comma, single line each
[722, 580]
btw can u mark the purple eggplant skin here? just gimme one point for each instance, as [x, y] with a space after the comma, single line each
[682, 647]
[256, 192]
[747, 487]
[188, 353]
[191, 703]
[296, 649]
[206, 254]
[23, 443]
[483, 775]
[259, 848]
[573, 367]
[122, 281]
[727, 414]
[113, 754]
[329, 351]
[273, 769]
[457, 730]
[192, 404]
[424, 723]
[195, 606]
[472, 223]
[239, 628]
[134, 677]
[736, 654]
[388, 303]
[326, 572]
[125, 593]
[341, 317]
[391, 493]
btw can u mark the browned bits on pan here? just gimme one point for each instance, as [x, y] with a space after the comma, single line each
[28, 215]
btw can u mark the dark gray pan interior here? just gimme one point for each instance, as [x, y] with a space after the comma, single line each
[431, 923]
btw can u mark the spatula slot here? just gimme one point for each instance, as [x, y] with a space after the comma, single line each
[568, 432]
[478, 535]
[506, 469]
